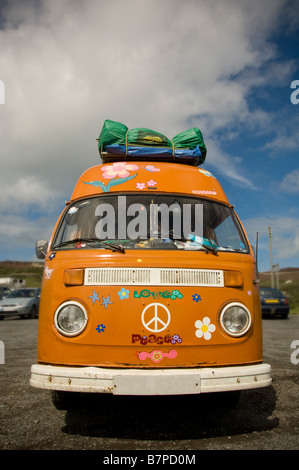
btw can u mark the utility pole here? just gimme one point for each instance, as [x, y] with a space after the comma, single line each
[270, 243]
[276, 268]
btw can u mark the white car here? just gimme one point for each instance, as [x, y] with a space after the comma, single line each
[22, 302]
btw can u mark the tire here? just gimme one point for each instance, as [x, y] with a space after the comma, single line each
[65, 400]
[229, 399]
[33, 312]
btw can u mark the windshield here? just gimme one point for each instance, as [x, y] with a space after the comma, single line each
[150, 221]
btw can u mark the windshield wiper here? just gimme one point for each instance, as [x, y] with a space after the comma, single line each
[107, 245]
[210, 249]
[111, 246]
[76, 240]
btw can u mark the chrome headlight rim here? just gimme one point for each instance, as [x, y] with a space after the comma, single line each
[248, 323]
[64, 332]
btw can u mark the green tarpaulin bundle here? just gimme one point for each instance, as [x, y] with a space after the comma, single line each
[116, 133]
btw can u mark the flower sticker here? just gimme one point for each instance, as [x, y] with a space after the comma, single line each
[196, 297]
[120, 169]
[106, 301]
[156, 355]
[206, 172]
[176, 339]
[123, 293]
[100, 328]
[152, 168]
[117, 173]
[48, 272]
[205, 328]
[94, 297]
[140, 185]
[201, 191]
[176, 294]
[151, 183]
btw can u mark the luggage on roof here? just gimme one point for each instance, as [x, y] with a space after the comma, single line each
[117, 142]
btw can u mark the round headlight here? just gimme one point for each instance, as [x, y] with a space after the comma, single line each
[235, 319]
[70, 318]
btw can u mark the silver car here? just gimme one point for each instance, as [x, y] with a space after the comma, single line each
[22, 302]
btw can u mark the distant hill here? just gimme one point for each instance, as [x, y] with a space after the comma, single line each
[284, 274]
[31, 272]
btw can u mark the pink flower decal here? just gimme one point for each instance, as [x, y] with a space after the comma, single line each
[151, 183]
[201, 191]
[140, 185]
[157, 356]
[117, 173]
[152, 168]
[120, 169]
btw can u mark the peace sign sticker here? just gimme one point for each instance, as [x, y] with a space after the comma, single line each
[155, 317]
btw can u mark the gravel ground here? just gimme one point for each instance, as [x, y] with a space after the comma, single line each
[264, 419]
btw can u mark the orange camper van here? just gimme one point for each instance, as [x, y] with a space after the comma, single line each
[149, 288]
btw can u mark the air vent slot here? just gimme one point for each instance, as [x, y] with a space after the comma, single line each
[153, 276]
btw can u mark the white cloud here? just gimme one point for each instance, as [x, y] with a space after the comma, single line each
[19, 231]
[290, 182]
[27, 192]
[229, 165]
[67, 66]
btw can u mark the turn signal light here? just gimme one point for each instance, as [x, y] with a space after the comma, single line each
[233, 279]
[73, 277]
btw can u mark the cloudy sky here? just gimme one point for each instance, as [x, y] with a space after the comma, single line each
[224, 66]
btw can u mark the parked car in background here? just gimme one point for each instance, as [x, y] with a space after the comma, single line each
[4, 291]
[273, 302]
[22, 302]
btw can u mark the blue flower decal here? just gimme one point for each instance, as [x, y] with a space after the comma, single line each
[123, 293]
[52, 255]
[196, 297]
[106, 301]
[100, 328]
[94, 297]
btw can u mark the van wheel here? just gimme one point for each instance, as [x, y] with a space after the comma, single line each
[65, 400]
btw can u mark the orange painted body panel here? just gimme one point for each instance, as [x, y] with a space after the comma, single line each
[146, 176]
[120, 331]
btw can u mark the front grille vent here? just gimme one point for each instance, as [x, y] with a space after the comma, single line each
[153, 276]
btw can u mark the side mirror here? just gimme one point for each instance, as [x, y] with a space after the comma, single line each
[41, 249]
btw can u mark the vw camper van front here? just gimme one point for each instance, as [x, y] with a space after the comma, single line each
[149, 287]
